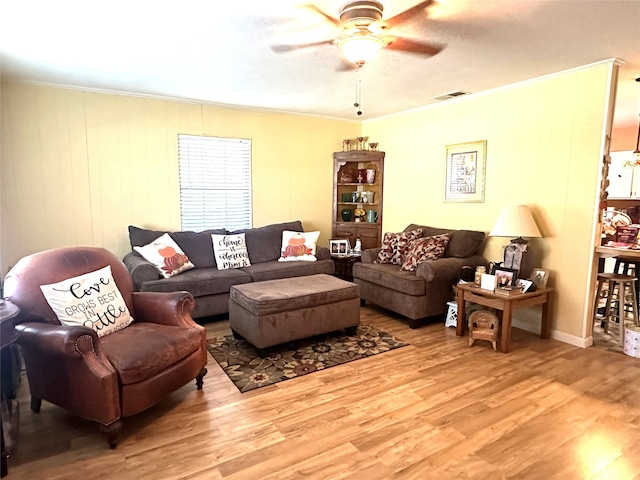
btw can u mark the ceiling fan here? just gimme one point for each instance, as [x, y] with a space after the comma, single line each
[363, 32]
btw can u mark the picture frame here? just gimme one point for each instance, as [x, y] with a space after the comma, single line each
[523, 284]
[505, 276]
[465, 172]
[339, 247]
[539, 277]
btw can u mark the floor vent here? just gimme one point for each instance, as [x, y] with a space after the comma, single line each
[449, 95]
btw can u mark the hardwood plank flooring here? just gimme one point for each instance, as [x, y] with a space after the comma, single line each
[436, 409]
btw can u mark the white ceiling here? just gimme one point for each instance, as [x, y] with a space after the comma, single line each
[215, 51]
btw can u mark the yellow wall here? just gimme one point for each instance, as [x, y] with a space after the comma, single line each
[79, 167]
[544, 141]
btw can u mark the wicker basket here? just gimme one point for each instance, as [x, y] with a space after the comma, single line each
[483, 325]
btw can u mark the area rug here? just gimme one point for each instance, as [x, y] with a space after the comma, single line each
[248, 371]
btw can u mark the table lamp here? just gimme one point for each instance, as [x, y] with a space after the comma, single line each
[516, 221]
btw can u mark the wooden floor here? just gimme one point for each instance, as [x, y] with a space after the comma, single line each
[436, 409]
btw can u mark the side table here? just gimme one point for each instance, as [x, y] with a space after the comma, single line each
[8, 335]
[505, 305]
[344, 266]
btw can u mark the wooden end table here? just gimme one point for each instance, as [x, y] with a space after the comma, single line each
[344, 265]
[469, 292]
[8, 335]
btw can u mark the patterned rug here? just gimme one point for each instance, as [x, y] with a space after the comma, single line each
[248, 371]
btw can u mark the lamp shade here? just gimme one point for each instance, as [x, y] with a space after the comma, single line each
[515, 221]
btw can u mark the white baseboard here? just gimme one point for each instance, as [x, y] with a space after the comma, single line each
[556, 335]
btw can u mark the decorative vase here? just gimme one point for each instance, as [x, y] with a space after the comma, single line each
[346, 214]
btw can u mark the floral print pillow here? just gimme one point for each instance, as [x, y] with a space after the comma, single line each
[395, 246]
[423, 250]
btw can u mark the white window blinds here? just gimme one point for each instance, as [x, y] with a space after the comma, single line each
[215, 182]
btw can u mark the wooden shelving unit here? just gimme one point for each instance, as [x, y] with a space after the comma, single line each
[349, 177]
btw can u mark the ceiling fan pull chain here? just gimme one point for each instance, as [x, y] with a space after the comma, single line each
[358, 103]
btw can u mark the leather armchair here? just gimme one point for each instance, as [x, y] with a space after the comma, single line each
[103, 379]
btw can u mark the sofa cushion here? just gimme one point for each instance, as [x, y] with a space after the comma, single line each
[196, 245]
[199, 282]
[423, 250]
[462, 243]
[391, 277]
[298, 246]
[166, 256]
[395, 245]
[90, 300]
[274, 270]
[263, 243]
[230, 251]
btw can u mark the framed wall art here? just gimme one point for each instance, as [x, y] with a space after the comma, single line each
[464, 177]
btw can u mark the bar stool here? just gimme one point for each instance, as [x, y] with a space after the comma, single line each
[617, 285]
[624, 265]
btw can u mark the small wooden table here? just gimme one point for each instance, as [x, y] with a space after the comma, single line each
[344, 265]
[468, 292]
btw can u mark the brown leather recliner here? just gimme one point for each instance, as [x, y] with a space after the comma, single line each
[103, 379]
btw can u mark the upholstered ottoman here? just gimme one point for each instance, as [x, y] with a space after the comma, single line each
[279, 311]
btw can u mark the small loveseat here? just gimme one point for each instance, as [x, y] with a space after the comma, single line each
[209, 285]
[425, 291]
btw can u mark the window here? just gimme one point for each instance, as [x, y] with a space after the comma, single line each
[215, 182]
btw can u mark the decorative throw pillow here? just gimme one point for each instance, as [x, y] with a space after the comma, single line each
[424, 249]
[165, 254]
[230, 251]
[91, 300]
[395, 245]
[298, 246]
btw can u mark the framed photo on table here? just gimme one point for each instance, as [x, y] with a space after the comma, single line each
[539, 277]
[339, 247]
[505, 276]
[465, 171]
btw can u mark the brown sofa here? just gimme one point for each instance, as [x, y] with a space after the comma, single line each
[210, 286]
[426, 291]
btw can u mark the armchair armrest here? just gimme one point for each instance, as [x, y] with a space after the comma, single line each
[447, 269]
[370, 254]
[323, 253]
[67, 366]
[140, 270]
[167, 308]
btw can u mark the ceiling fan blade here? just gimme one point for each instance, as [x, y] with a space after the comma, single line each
[313, 8]
[290, 48]
[412, 46]
[407, 14]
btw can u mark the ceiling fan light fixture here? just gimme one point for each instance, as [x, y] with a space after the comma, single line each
[360, 49]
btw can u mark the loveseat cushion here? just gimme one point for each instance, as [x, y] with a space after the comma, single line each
[196, 245]
[462, 243]
[390, 276]
[263, 243]
[199, 282]
[151, 355]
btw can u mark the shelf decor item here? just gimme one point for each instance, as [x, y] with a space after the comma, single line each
[346, 214]
[366, 197]
[371, 176]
